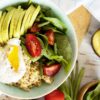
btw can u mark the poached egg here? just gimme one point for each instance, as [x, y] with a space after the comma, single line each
[12, 65]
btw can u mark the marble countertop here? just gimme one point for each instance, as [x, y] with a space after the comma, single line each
[86, 57]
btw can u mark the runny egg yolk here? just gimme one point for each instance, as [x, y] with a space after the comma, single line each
[13, 57]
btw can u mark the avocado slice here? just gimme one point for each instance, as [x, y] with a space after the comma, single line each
[0, 14]
[17, 17]
[9, 8]
[5, 25]
[19, 12]
[11, 30]
[14, 21]
[1, 22]
[27, 17]
[0, 18]
[17, 32]
[30, 17]
[35, 14]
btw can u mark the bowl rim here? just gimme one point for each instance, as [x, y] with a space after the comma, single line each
[74, 60]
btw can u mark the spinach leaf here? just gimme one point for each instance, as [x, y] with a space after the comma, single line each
[49, 54]
[47, 27]
[44, 39]
[63, 46]
[56, 22]
[43, 24]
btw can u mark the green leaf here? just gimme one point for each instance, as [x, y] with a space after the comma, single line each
[55, 48]
[44, 39]
[53, 28]
[63, 46]
[64, 49]
[56, 22]
[49, 53]
[43, 24]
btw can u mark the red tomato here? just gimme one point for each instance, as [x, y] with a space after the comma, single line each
[50, 35]
[34, 28]
[55, 95]
[51, 70]
[33, 45]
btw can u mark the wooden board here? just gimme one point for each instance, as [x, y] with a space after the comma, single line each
[80, 19]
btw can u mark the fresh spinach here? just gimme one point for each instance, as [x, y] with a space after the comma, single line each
[56, 22]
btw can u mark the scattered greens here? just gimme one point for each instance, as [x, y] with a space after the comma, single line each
[71, 88]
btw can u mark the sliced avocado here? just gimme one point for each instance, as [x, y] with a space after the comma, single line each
[19, 12]
[5, 25]
[0, 14]
[17, 17]
[30, 17]
[9, 8]
[0, 19]
[14, 21]
[11, 30]
[35, 14]
[1, 22]
[19, 24]
[25, 23]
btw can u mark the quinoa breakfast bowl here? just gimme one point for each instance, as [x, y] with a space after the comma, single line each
[38, 48]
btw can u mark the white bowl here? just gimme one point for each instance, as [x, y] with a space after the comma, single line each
[61, 76]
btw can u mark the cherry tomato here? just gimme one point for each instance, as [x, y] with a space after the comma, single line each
[50, 35]
[51, 70]
[33, 45]
[55, 95]
[34, 28]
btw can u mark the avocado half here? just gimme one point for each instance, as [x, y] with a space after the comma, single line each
[96, 42]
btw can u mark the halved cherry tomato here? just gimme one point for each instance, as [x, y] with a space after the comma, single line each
[55, 95]
[50, 35]
[51, 70]
[33, 45]
[34, 28]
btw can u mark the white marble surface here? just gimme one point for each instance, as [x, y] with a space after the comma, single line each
[86, 57]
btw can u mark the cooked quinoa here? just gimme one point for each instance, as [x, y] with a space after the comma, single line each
[32, 76]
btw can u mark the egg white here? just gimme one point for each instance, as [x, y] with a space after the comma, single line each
[7, 74]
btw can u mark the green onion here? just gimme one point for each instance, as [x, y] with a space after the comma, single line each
[71, 87]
